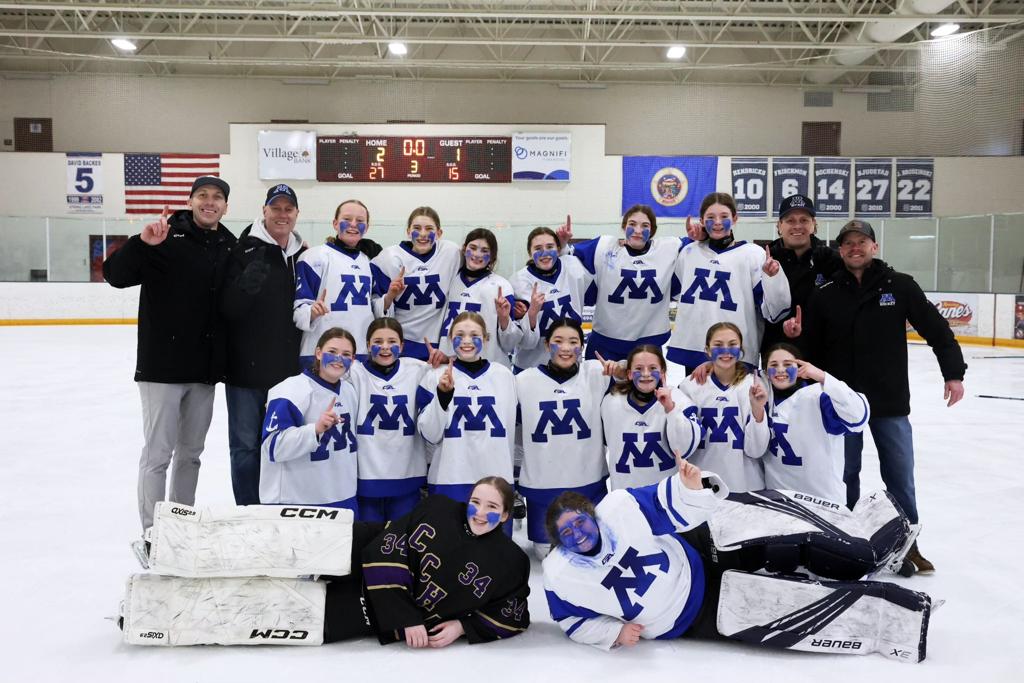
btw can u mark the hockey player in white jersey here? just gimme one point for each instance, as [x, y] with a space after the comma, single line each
[392, 458]
[644, 422]
[810, 413]
[643, 564]
[421, 270]
[724, 280]
[634, 284]
[548, 288]
[336, 285]
[560, 411]
[309, 444]
[468, 410]
[730, 405]
[478, 288]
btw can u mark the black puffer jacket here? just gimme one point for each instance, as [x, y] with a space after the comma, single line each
[180, 334]
[816, 267]
[259, 294]
[857, 332]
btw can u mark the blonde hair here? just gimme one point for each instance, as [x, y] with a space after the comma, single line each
[471, 316]
[741, 368]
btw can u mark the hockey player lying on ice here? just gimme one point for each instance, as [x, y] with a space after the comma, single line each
[644, 565]
[240, 575]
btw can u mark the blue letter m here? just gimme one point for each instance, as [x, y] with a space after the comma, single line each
[709, 292]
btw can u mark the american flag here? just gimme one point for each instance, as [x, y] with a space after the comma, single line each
[152, 181]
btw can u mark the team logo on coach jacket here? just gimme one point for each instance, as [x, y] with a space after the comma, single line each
[886, 299]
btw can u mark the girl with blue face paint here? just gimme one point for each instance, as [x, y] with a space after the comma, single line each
[309, 445]
[810, 414]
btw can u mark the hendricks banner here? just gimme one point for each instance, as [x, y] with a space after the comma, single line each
[750, 185]
[287, 155]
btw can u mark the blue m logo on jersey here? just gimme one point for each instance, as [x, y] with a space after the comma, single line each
[463, 417]
[780, 442]
[394, 420]
[640, 581]
[710, 292]
[334, 440]
[718, 428]
[637, 290]
[644, 457]
[425, 294]
[560, 425]
[355, 291]
[555, 309]
[454, 309]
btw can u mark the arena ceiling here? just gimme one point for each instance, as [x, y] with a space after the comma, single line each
[577, 43]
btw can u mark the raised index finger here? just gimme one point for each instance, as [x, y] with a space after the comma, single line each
[401, 272]
[799, 314]
[598, 355]
[430, 347]
[499, 293]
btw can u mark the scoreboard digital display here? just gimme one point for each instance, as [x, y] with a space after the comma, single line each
[359, 159]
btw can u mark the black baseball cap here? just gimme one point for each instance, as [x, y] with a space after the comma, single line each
[204, 180]
[281, 191]
[856, 225]
[796, 201]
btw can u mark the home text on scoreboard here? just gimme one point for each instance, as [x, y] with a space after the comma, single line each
[389, 159]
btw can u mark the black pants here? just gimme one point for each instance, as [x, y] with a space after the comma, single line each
[347, 613]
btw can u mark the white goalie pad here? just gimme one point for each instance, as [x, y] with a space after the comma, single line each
[169, 610]
[766, 514]
[253, 540]
[856, 617]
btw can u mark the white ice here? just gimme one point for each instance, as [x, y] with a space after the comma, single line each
[71, 442]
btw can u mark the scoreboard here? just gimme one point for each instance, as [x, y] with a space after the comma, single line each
[384, 159]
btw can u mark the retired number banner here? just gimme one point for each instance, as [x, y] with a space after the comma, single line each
[750, 185]
[789, 177]
[832, 187]
[873, 188]
[914, 182]
[84, 182]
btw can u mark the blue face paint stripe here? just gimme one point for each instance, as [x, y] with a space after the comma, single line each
[716, 351]
[326, 358]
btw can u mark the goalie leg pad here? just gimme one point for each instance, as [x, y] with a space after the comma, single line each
[168, 610]
[836, 542]
[252, 540]
[855, 617]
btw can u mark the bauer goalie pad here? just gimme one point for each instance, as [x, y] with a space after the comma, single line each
[252, 540]
[821, 535]
[856, 617]
[169, 610]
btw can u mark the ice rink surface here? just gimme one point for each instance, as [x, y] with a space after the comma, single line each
[71, 442]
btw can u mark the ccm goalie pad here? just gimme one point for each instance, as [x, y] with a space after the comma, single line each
[254, 540]
[798, 529]
[854, 617]
[168, 610]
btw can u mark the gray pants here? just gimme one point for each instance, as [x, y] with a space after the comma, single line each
[175, 419]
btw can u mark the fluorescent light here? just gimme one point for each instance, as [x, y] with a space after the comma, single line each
[676, 52]
[123, 44]
[921, 237]
[945, 30]
[399, 49]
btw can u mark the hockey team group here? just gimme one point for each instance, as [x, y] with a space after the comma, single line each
[391, 410]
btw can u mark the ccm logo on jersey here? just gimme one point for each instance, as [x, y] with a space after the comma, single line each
[309, 513]
[158, 635]
[279, 634]
[185, 512]
[817, 501]
[838, 644]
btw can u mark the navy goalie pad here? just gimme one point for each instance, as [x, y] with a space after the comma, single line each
[856, 617]
[801, 530]
[169, 610]
[251, 540]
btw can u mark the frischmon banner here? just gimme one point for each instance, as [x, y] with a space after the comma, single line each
[287, 155]
[672, 186]
[541, 156]
[789, 177]
[84, 182]
[959, 310]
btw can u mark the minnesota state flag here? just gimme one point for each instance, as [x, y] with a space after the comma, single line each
[673, 186]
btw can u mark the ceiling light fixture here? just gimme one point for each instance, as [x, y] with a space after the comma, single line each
[123, 44]
[676, 52]
[945, 30]
[399, 49]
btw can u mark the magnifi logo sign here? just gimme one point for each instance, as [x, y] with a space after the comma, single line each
[541, 156]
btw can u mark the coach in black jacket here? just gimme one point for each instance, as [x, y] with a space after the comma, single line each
[806, 260]
[263, 342]
[855, 329]
[179, 261]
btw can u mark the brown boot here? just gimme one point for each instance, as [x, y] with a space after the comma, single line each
[922, 565]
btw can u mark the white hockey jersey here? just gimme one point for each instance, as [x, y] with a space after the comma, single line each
[428, 277]
[733, 441]
[644, 572]
[392, 458]
[354, 290]
[641, 438]
[477, 430]
[563, 441]
[727, 286]
[806, 452]
[633, 290]
[297, 466]
[563, 289]
[479, 296]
